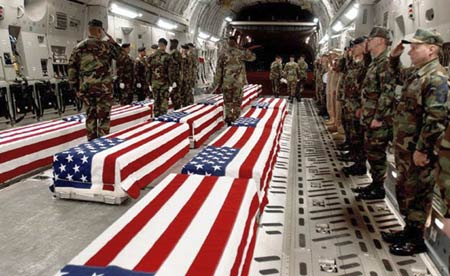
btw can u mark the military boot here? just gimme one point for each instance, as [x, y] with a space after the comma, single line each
[363, 189]
[411, 245]
[343, 147]
[346, 157]
[372, 194]
[355, 169]
[397, 236]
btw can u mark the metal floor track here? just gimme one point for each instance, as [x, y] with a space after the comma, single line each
[333, 233]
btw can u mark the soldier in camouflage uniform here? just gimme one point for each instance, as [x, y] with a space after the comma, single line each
[90, 76]
[322, 85]
[185, 71]
[125, 75]
[420, 120]
[193, 63]
[159, 75]
[276, 70]
[303, 66]
[141, 71]
[376, 112]
[230, 79]
[175, 74]
[354, 76]
[292, 75]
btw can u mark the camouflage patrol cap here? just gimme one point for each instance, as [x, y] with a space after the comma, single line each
[126, 45]
[191, 45]
[141, 49]
[154, 47]
[184, 46]
[95, 23]
[379, 31]
[423, 36]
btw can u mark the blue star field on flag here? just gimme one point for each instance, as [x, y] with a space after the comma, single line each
[172, 117]
[142, 103]
[210, 101]
[72, 168]
[211, 161]
[246, 122]
[75, 118]
[79, 270]
[264, 105]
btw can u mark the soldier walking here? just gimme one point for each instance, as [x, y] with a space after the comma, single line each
[125, 75]
[303, 67]
[276, 70]
[292, 74]
[185, 71]
[90, 75]
[420, 120]
[376, 112]
[193, 68]
[141, 71]
[230, 77]
[159, 76]
[175, 74]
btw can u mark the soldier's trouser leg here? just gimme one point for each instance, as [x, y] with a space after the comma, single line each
[104, 104]
[91, 117]
[292, 85]
[346, 123]
[176, 98]
[161, 100]
[275, 87]
[338, 111]
[232, 100]
[357, 140]
[375, 143]
[443, 173]
[414, 188]
[127, 95]
[141, 93]
[189, 95]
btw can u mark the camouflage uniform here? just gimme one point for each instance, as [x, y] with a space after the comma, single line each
[292, 74]
[159, 75]
[276, 70]
[141, 73]
[175, 77]
[354, 77]
[193, 63]
[420, 119]
[185, 90]
[230, 78]
[90, 74]
[303, 66]
[317, 80]
[125, 76]
[443, 175]
[377, 104]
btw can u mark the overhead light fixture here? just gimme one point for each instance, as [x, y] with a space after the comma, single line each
[324, 39]
[166, 25]
[316, 20]
[171, 33]
[307, 39]
[337, 27]
[228, 19]
[124, 11]
[203, 35]
[214, 39]
[352, 13]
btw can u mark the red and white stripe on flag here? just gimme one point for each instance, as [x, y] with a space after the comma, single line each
[203, 120]
[187, 225]
[251, 92]
[148, 150]
[258, 148]
[28, 148]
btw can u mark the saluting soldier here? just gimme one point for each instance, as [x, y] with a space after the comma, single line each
[420, 120]
[230, 77]
[377, 111]
[276, 71]
[159, 75]
[90, 75]
[125, 75]
[185, 76]
[175, 74]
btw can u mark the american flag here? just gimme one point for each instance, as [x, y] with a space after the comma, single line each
[256, 151]
[75, 118]
[271, 118]
[24, 149]
[126, 161]
[246, 122]
[270, 103]
[186, 225]
[203, 120]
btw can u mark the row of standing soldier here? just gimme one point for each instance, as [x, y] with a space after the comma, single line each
[159, 76]
[415, 121]
[293, 72]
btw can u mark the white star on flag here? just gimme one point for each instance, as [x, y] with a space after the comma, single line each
[83, 178]
[216, 168]
[198, 167]
[69, 177]
[62, 168]
[69, 158]
[55, 158]
[76, 168]
[84, 159]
